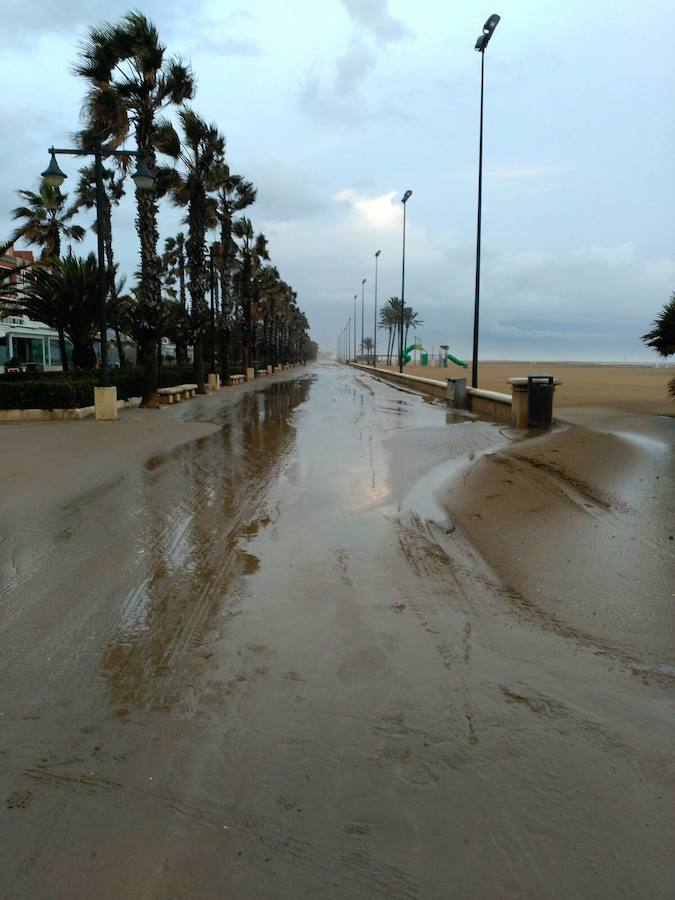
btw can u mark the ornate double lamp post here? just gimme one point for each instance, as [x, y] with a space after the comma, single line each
[145, 181]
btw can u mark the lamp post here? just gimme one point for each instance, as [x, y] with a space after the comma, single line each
[356, 296]
[404, 200]
[481, 44]
[375, 325]
[145, 181]
[363, 287]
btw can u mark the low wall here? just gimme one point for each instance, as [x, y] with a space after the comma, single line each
[424, 385]
[490, 403]
[51, 415]
[485, 403]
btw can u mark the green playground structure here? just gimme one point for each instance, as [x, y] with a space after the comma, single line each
[409, 350]
[457, 362]
[424, 359]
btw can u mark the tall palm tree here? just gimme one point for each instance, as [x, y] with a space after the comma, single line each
[131, 80]
[233, 195]
[201, 155]
[113, 191]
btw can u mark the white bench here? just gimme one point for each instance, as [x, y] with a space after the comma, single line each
[237, 379]
[176, 393]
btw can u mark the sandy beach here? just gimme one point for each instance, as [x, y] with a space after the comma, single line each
[637, 389]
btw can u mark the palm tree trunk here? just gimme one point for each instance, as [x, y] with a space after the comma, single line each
[150, 367]
[199, 363]
[62, 350]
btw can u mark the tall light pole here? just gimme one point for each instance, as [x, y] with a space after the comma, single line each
[375, 325]
[481, 44]
[356, 297]
[404, 200]
[145, 181]
[363, 287]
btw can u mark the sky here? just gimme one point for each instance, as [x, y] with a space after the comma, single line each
[334, 109]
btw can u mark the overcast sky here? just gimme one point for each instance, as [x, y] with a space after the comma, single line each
[334, 109]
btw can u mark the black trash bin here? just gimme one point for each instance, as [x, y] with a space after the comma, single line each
[540, 390]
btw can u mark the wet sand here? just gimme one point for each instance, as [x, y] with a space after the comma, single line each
[262, 665]
[636, 389]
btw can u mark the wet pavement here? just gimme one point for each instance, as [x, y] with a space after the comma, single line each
[265, 665]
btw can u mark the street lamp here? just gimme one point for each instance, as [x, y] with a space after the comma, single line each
[481, 44]
[145, 181]
[404, 200]
[363, 284]
[375, 325]
[355, 299]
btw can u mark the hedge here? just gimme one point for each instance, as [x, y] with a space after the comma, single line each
[65, 390]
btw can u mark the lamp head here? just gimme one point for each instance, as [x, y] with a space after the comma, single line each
[378, 253]
[143, 176]
[488, 28]
[364, 280]
[491, 24]
[53, 174]
[406, 197]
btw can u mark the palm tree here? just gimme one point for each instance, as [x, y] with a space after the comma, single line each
[411, 319]
[64, 295]
[390, 319]
[202, 156]
[174, 264]
[252, 252]
[233, 195]
[46, 222]
[131, 80]
[661, 337]
[113, 191]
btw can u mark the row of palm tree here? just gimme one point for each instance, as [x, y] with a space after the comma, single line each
[132, 84]
[390, 321]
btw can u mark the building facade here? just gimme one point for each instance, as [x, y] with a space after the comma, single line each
[31, 343]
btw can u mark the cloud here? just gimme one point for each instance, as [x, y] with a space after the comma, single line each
[374, 16]
[381, 212]
[341, 98]
[231, 46]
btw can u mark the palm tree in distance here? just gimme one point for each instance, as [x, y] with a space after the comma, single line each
[113, 191]
[131, 80]
[202, 157]
[252, 253]
[174, 266]
[234, 194]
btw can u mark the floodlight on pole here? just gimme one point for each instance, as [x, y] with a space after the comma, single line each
[404, 200]
[481, 44]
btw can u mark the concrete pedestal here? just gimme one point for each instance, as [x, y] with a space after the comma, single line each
[457, 393]
[250, 374]
[105, 404]
[214, 381]
[519, 405]
[269, 370]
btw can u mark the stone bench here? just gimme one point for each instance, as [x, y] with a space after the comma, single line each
[176, 393]
[237, 379]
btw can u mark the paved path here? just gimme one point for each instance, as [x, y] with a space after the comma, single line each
[252, 667]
